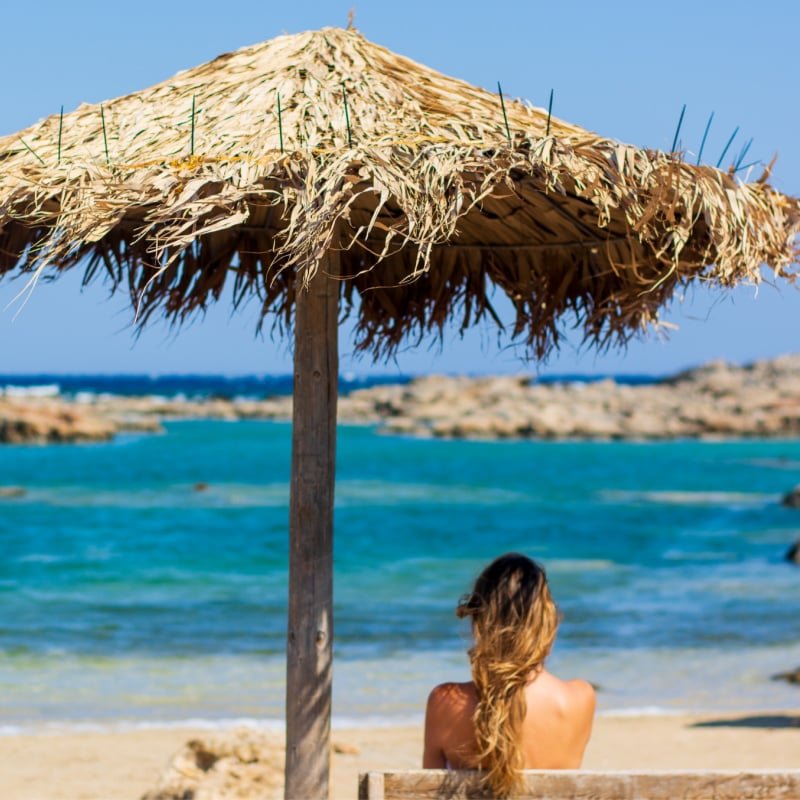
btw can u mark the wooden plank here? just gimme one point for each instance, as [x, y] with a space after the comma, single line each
[309, 654]
[591, 785]
[370, 786]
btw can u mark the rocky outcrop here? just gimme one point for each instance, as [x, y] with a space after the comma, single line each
[237, 765]
[717, 400]
[48, 422]
[792, 498]
[792, 676]
[228, 766]
[714, 401]
[793, 553]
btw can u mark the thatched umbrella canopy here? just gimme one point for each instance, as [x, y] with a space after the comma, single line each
[325, 163]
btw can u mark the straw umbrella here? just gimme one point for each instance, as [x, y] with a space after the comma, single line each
[320, 174]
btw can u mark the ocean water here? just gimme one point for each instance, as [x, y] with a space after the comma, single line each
[127, 597]
[220, 385]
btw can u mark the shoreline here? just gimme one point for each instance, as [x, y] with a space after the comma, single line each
[126, 764]
[376, 689]
[199, 725]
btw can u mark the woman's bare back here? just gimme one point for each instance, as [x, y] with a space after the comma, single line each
[555, 731]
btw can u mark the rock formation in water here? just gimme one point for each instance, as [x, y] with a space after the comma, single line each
[792, 676]
[717, 400]
[51, 421]
[43, 423]
[792, 498]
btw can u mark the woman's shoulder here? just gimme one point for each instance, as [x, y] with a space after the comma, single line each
[572, 695]
[583, 696]
[581, 690]
[452, 694]
[452, 702]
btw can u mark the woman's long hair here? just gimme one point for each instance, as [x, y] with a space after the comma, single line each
[514, 622]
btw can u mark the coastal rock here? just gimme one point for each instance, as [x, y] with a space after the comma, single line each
[712, 422]
[792, 498]
[44, 423]
[705, 373]
[11, 492]
[792, 676]
[595, 425]
[773, 424]
[138, 425]
[233, 766]
[345, 749]
[641, 425]
[405, 426]
[793, 553]
[470, 426]
[716, 400]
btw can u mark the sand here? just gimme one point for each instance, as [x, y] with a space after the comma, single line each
[123, 765]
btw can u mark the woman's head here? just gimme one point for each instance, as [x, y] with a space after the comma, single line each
[514, 623]
[512, 611]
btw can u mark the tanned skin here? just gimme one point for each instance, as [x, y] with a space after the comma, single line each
[554, 734]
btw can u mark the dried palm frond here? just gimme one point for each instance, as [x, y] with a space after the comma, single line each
[248, 168]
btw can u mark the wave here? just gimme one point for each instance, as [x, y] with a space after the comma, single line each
[21, 392]
[700, 555]
[90, 554]
[646, 711]
[186, 385]
[348, 493]
[272, 725]
[40, 558]
[80, 694]
[686, 498]
[580, 564]
[389, 493]
[124, 726]
[774, 463]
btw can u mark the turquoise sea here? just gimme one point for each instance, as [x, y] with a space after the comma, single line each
[129, 598]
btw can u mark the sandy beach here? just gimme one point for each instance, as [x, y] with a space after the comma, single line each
[107, 766]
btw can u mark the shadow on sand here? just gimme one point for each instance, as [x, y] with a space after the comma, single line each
[755, 721]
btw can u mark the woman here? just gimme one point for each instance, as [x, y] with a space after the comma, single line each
[514, 714]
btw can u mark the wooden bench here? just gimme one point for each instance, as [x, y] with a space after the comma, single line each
[439, 784]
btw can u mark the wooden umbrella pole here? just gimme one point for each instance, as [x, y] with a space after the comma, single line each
[309, 651]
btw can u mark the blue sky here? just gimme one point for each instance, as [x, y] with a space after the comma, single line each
[618, 67]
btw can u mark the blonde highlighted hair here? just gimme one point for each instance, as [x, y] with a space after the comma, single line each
[514, 623]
